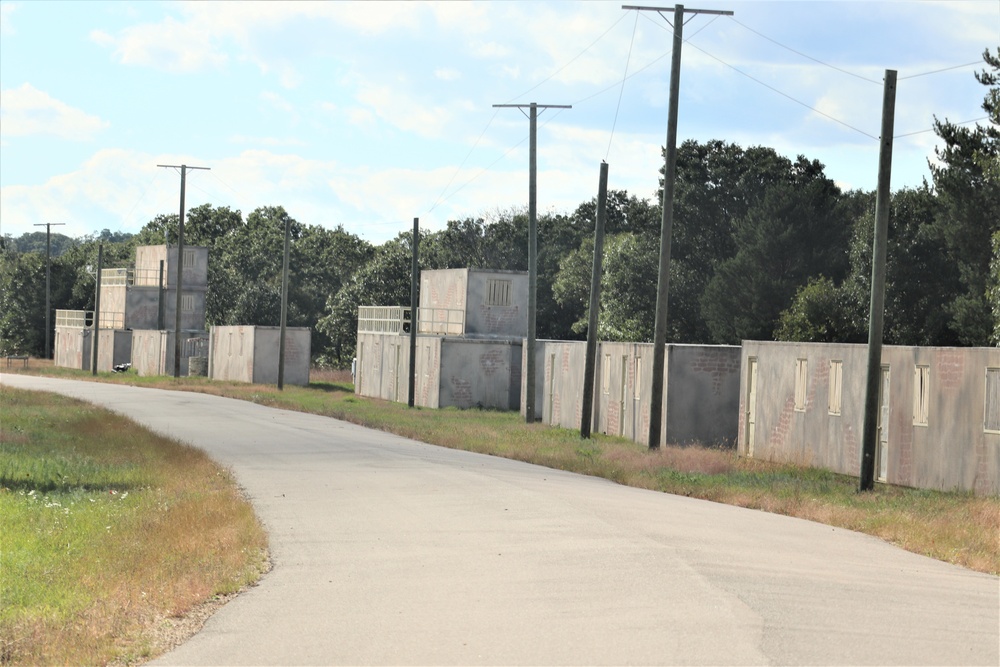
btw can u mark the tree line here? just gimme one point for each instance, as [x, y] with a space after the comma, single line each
[764, 247]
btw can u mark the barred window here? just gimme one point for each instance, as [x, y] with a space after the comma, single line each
[498, 292]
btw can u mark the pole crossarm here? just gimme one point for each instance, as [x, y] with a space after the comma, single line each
[683, 9]
[183, 166]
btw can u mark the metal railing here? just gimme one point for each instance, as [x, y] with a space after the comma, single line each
[84, 319]
[444, 321]
[383, 319]
[116, 277]
[396, 320]
[196, 347]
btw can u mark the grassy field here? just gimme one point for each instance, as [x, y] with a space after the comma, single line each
[954, 527]
[109, 532]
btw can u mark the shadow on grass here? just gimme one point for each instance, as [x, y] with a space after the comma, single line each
[333, 387]
[51, 486]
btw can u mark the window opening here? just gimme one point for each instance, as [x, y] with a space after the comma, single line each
[801, 375]
[991, 418]
[836, 382]
[497, 292]
[921, 394]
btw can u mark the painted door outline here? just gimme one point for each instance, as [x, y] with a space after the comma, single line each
[622, 395]
[882, 441]
[750, 423]
[552, 388]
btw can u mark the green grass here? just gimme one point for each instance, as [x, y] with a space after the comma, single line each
[108, 529]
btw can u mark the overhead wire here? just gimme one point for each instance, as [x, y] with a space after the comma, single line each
[464, 160]
[628, 59]
[804, 55]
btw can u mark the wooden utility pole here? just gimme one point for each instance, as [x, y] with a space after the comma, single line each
[870, 428]
[589, 370]
[529, 406]
[48, 289]
[180, 264]
[97, 310]
[667, 221]
[414, 280]
[284, 306]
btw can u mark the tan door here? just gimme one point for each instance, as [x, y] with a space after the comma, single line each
[621, 398]
[750, 422]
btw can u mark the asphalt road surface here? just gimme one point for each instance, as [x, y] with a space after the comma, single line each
[390, 551]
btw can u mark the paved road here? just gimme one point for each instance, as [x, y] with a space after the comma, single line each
[389, 551]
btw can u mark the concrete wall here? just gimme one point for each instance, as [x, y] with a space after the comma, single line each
[153, 351]
[72, 348]
[468, 290]
[142, 309]
[455, 372]
[480, 373]
[114, 346]
[250, 354]
[952, 450]
[701, 390]
[485, 319]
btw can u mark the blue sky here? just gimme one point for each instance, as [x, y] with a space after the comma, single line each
[369, 114]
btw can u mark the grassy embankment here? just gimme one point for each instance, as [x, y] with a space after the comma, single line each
[109, 534]
[954, 527]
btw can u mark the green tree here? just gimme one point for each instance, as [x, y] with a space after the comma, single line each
[968, 192]
[793, 234]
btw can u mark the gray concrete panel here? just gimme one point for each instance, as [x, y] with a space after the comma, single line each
[952, 450]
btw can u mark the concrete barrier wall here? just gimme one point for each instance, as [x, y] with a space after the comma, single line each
[701, 390]
[484, 318]
[952, 450]
[153, 351]
[455, 372]
[479, 373]
[114, 347]
[702, 394]
[72, 348]
[250, 354]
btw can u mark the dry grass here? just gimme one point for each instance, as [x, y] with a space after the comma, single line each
[129, 530]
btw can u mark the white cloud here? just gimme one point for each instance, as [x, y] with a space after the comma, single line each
[404, 112]
[7, 10]
[169, 45]
[27, 111]
[447, 73]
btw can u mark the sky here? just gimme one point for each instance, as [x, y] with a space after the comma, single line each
[369, 114]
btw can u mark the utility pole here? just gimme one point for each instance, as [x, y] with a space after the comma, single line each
[284, 306]
[48, 291]
[414, 278]
[97, 310]
[180, 264]
[529, 405]
[587, 417]
[667, 221]
[870, 427]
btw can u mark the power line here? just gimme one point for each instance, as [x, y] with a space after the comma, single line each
[628, 59]
[570, 62]
[464, 160]
[783, 94]
[931, 129]
[805, 55]
[938, 71]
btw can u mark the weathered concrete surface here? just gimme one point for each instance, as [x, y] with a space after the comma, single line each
[389, 551]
